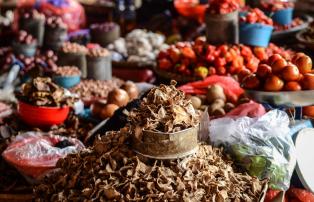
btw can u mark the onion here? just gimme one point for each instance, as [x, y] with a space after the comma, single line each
[97, 107]
[118, 97]
[131, 89]
[108, 111]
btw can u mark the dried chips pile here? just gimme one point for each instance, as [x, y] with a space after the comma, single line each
[165, 109]
[41, 91]
[110, 171]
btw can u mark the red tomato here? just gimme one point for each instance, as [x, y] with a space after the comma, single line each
[273, 58]
[263, 71]
[162, 55]
[252, 64]
[291, 73]
[273, 83]
[308, 82]
[164, 64]
[188, 52]
[242, 74]
[221, 70]
[304, 64]
[251, 82]
[296, 56]
[279, 65]
[220, 62]
[260, 53]
[174, 54]
[292, 86]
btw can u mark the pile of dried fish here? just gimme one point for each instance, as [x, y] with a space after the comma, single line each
[41, 91]
[110, 171]
[165, 109]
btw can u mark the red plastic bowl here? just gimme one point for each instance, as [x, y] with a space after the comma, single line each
[191, 9]
[42, 116]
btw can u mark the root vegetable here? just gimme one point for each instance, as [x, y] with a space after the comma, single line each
[108, 111]
[118, 97]
[217, 105]
[218, 112]
[215, 92]
[196, 102]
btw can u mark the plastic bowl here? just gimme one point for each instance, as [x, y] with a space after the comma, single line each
[255, 34]
[67, 81]
[283, 17]
[191, 9]
[42, 116]
[28, 50]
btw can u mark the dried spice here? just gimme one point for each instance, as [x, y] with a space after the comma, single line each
[98, 52]
[42, 91]
[91, 89]
[165, 109]
[110, 171]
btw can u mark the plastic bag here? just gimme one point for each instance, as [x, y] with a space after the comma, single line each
[71, 12]
[262, 146]
[250, 109]
[34, 154]
[231, 87]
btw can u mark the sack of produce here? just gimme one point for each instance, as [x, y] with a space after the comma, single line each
[33, 22]
[222, 22]
[35, 154]
[262, 146]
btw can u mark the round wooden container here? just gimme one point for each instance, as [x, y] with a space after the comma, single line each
[158, 145]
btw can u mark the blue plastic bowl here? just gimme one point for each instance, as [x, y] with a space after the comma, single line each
[67, 81]
[283, 17]
[255, 34]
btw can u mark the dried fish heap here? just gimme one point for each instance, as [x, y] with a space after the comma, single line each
[165, 109]
[111, 171]
[41, 91]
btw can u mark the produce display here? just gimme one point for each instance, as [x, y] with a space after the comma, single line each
[200, 59]
[98, 52]
[78, 124]
[43, 92]
[110, 157]
[278, 74]
[256, 16]
[138, 46]
[165, 109]
[218, 103]
[95, 89]
[276, 5]
[116, 98]
[24, 38]
[67, 71]
[73, 48]
[223, 6]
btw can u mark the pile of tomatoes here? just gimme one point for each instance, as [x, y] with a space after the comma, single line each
[255, 15]
[200, 59]
[278, 74]
[276, 5]
[223, 6]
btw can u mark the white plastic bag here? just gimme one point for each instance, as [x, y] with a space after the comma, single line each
[262, 146]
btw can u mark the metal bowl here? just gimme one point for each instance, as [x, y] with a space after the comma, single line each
[284, 98]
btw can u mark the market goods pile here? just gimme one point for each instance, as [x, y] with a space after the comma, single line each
[43, 92]
[199, 59]
[165, 109]
[138, 46]
[278, 74]
[92, 89]
[110, 171]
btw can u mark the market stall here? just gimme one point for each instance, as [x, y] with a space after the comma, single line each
[147, 101]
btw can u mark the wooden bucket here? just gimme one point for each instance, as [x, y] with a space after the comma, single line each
[158, 145]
